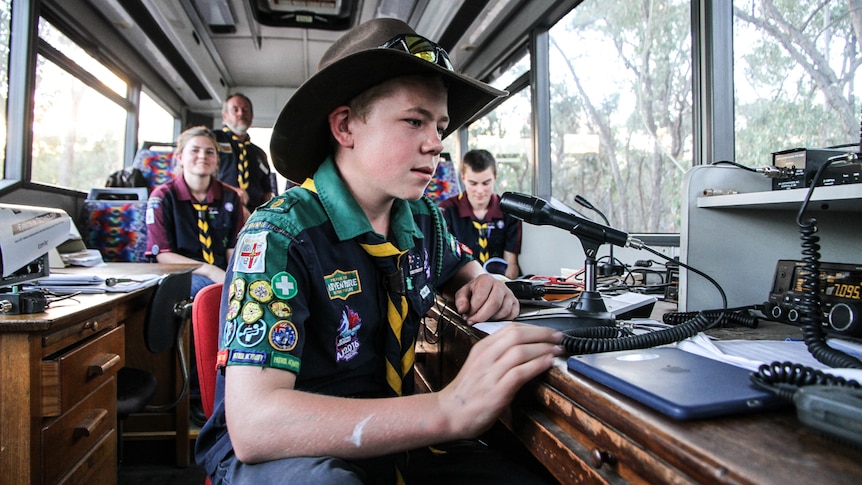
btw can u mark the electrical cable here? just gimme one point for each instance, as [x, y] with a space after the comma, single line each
[784, 378]
[597, 339]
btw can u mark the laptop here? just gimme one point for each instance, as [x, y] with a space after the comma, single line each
[676, 383]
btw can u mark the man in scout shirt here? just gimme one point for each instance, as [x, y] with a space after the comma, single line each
[330, 281]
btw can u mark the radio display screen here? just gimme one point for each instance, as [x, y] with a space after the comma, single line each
[840, 284]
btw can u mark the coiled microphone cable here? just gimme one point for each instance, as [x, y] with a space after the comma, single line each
[606, 339]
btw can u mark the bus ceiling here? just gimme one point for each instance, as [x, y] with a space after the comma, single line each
[204, 49]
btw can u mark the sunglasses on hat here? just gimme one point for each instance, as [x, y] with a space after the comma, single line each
[420, 47]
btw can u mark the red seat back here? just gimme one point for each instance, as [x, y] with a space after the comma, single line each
[205, 320]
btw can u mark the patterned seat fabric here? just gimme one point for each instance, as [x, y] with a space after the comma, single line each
[156, 163]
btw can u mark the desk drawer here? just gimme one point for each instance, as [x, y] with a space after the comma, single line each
[68, 377]
[79, 432]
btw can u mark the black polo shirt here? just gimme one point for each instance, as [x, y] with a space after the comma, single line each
[503, 231]
[172, 222]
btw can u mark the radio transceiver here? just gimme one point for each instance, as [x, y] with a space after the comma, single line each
[840, 295]
[802, 164]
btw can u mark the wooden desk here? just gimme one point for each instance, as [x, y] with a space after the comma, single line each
[58, 382]
[585, 433]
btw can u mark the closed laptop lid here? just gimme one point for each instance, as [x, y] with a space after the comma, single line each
[677, 383]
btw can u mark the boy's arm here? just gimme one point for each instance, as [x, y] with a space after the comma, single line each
[269, 420]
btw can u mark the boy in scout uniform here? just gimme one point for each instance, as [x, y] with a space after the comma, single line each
[331, 279]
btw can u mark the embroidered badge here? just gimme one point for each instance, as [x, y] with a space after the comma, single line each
[251, 312]
[221, 358]
[232, 310]
[285, 361]
[276, 203]
[284, 285]
[283, 336]
[237, 289]
[501, 224]
[260, 291]
[247, 357]
[415, 263]
[341, 284]
[250, 255]
[281, 309]
[424, 292]
[251, 334]
[228, 333]
[347, 342]
[225, 147]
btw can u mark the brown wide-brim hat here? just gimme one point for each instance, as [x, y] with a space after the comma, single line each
[353, 64]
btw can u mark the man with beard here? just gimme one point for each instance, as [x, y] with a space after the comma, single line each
[243, 164]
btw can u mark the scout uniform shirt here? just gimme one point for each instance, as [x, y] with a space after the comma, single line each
[305, 297]
[172, 222]
[259, 181]
[502, 232]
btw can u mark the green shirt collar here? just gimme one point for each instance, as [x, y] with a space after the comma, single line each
[347, 217]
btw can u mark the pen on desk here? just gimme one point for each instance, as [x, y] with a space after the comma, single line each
[709, 192]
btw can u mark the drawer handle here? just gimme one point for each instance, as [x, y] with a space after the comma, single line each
[599, 458]
[92, 326]
[101, 368]
[90, 423]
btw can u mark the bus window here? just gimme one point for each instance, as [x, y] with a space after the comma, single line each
[505, 132]
[794, 86]
[621, 110]
[154, 122]
[5, 18]
[79, 115]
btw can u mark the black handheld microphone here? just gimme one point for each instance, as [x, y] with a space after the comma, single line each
[534, 210]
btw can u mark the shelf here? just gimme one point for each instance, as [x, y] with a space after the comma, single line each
[843, 198]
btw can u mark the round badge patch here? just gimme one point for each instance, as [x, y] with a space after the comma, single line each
[251, 311]
[237, 289]
[284, 285]
[251, 334]
[232, 310]
[280, 309]
[229, 332]
[260, 291]
[283, 336]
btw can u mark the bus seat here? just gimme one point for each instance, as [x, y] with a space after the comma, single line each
[444, 184]
[156, 163]
[113, 221]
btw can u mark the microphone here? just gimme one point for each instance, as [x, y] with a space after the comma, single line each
[534, 210]
[611, 268]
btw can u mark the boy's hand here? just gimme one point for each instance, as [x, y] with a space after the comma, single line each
[486, 298]
[496, 368]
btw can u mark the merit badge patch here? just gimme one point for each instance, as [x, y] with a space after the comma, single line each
[347, 343]
[283, 336]
[237, 289]
[284, 361]
[251, 334]
[247, 357]
[260, 291]
[284, 285]
[221, 358]
[250, 254]
[228, 333]
[281, 309]
[251, 312]
[232, 310]
[341, 284]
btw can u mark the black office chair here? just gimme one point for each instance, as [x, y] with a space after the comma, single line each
[168, 315]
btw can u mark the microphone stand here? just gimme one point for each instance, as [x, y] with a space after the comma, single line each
[589, 310]
[612, 268]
